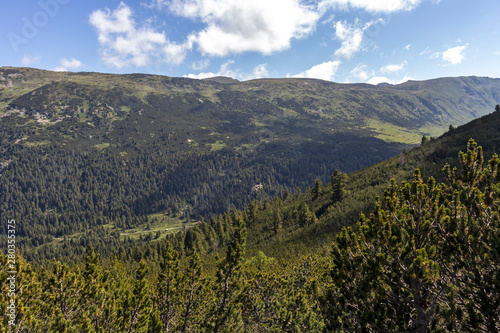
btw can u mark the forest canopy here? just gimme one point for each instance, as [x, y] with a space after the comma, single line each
[425, 259]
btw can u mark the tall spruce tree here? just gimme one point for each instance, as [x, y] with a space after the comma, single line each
[338, 182]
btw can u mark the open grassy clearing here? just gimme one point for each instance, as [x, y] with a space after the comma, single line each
[161, 223]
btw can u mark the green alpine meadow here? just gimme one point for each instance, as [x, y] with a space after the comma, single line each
[150, 203]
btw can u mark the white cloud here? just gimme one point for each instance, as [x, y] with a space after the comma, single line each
[260, 71]
[351, 36]
[407, 47]
[200, 65]
[386, 6]
[431, 54]
[202, 75]
[426, 51]
[158, 4]
[176, 53]
[236, 26]
[27, 60]
[124, 43]
[224, 71]
[381, 79]
[323, 71]
[454, 55]
[393, 68]
[360, 72]
[66, 65]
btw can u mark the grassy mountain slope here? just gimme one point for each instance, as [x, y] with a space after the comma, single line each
[400, 113]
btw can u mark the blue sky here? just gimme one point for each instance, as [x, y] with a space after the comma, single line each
[338, 40]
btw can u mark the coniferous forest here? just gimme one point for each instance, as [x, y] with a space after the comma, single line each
[425, 258]
[197, 206]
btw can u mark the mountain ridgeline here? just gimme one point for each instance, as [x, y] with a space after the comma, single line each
[118, 159]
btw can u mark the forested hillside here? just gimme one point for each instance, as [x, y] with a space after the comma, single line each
[425, 257]
[123, 159]
[291, 226]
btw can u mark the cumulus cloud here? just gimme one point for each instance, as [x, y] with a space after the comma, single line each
[225, 70]
[67, 65]
[27, 60]
[370, 5]
[236, 26]
[351, 36]
[200, 65]
[393, 68]
[381, 79]
[361, 72]
[454, 55]
[323, 71]
[124, 43]
[260, 71]
[176, 53]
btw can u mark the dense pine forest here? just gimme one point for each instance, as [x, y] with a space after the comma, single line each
[121, 160]
[423, 257]
[426, 258]
[143, 203]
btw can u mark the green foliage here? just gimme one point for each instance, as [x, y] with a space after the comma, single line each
[425, 260]
[281, 134]
[135, 311]
[316, 191]
[338, 182]
[305, 216]
[260, 260]
[225, 315]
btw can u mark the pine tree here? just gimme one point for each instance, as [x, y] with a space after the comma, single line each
[316, 191]
[277, 221]
[426, 260]
[137, 306]
[472, 240]
[168, 295]
[26, 296]
[305, 216]
[96, 302]
[390, 262]
[338, 183]
[225, 315]
[192, 311]
[61, 291]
